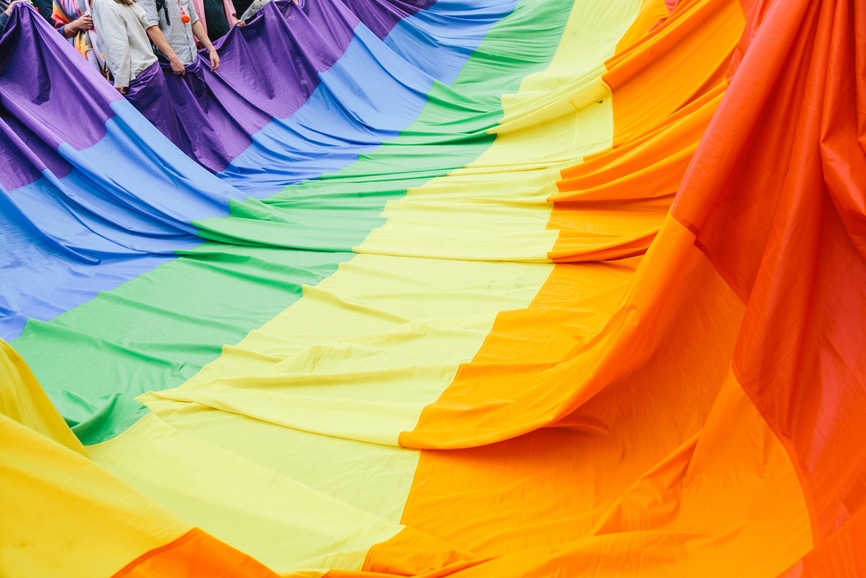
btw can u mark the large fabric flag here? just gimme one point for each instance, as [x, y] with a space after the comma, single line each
[441, 288]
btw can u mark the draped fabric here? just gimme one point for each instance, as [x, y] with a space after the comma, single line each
[453, 288]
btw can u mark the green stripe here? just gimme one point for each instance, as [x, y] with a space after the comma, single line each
[158, 330]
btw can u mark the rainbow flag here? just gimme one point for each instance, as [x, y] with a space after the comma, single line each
[441, 288]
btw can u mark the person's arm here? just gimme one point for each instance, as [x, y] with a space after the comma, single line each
[4, 16]
[158, 38]
[198, 31]
[149, 18]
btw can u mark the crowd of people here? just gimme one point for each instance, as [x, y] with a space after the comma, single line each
[126, 39]
[136, 35]
[69, 28]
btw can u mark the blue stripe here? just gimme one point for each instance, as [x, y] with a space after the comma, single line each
[434, 41]
[123, 210]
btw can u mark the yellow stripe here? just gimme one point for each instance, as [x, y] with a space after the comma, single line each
[362, 475]
[280, 522]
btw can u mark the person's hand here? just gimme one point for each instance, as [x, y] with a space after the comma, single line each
[214, 60]
[84, 22]
[121, 89]
[81, 23]
[177, 66]
[13, 3]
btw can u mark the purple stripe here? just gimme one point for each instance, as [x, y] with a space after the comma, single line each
[381, 16]
[147, 93]
[23, 156]
[273, 63]
[268, 70]
[54, 94]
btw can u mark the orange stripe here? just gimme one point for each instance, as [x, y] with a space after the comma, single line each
[628, 190]
[682, 58]
[194, 555]
[413, 553]
[602, 172]
[651, 14]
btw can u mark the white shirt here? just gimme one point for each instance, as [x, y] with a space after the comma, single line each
[177, 33]
[121, 30]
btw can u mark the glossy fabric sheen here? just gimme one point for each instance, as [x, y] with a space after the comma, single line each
[132, 243]
[454, 288]
[231, 107]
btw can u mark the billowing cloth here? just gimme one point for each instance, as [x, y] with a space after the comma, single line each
[149, 95]
[462, 288]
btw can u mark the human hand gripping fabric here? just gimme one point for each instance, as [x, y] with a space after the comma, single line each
[13, 3]
[214, 59]
[199, 32]
[177, 66]
[161, 43]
